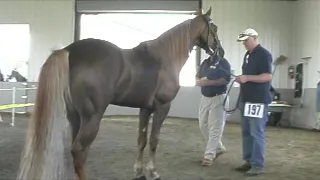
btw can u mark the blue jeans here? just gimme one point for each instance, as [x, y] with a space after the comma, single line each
[253, 138]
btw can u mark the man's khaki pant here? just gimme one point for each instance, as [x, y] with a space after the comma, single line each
[212, 119]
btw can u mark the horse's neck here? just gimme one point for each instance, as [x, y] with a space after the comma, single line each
[173, 48]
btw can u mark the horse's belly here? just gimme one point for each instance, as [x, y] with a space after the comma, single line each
[135, 95]
[137, 85]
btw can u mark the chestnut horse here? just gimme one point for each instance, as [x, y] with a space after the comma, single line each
[88, 75]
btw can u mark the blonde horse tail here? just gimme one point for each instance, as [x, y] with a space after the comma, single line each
[43, 155]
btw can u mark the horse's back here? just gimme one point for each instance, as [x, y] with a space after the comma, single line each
[89, 50]
[128, 75]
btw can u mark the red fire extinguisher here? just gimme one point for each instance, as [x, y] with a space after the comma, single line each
[291, 72]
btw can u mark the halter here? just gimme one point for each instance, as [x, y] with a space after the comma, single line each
[214, 35]
[213, 54]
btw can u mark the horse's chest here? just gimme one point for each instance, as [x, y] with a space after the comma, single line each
[167, 87]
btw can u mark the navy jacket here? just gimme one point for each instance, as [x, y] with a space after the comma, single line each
[257, 62]
[213, 70]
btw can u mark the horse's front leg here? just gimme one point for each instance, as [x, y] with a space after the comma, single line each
[159, 116]
[142, 141]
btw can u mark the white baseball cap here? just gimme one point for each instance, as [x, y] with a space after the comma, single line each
[246, 34]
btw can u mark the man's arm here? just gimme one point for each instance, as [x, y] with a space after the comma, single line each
[265, 69]
[262, 78]
[216, 82]
[224, 74]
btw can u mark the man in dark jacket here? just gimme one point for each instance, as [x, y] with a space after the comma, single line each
[255, 96]
[213, 77]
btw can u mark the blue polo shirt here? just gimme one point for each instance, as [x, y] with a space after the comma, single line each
[255, 63]
[208, 69]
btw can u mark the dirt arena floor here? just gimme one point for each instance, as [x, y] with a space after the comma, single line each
[291, 154]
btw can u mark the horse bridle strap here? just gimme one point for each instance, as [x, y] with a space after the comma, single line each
[214, 35]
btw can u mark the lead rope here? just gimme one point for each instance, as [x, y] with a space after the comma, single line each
[229, 89]
[225, 100]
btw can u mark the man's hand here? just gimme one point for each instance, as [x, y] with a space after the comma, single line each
[207, 82]
[242, 79]
[262, 78]
[202, 82]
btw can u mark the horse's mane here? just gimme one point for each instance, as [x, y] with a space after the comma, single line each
[173, 44]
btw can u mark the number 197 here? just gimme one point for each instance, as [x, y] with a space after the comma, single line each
[254, 109]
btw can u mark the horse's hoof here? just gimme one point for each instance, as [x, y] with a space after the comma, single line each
[140, 178]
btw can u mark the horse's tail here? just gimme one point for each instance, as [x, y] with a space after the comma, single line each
[43, 156]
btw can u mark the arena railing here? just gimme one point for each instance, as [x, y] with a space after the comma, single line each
[13, 105]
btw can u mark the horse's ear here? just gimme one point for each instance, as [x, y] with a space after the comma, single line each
[208, 13]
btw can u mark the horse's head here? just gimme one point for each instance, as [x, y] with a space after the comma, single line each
[207, 33]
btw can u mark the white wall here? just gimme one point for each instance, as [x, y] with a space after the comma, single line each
[306, 33]
[271, 19]
[51, 22]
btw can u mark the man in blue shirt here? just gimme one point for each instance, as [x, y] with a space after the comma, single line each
[255, 96]
[213, 78]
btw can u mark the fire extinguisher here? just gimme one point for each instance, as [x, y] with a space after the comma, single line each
[291, 72]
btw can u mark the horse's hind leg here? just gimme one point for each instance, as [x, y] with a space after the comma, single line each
[74, 121]
[144, 117]
[87, 133]
[158, 118]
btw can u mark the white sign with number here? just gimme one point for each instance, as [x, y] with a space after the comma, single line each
[253, 110]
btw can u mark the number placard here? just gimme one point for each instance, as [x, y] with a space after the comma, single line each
[253, 110]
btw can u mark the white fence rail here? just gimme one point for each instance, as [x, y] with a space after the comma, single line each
[14, 103]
